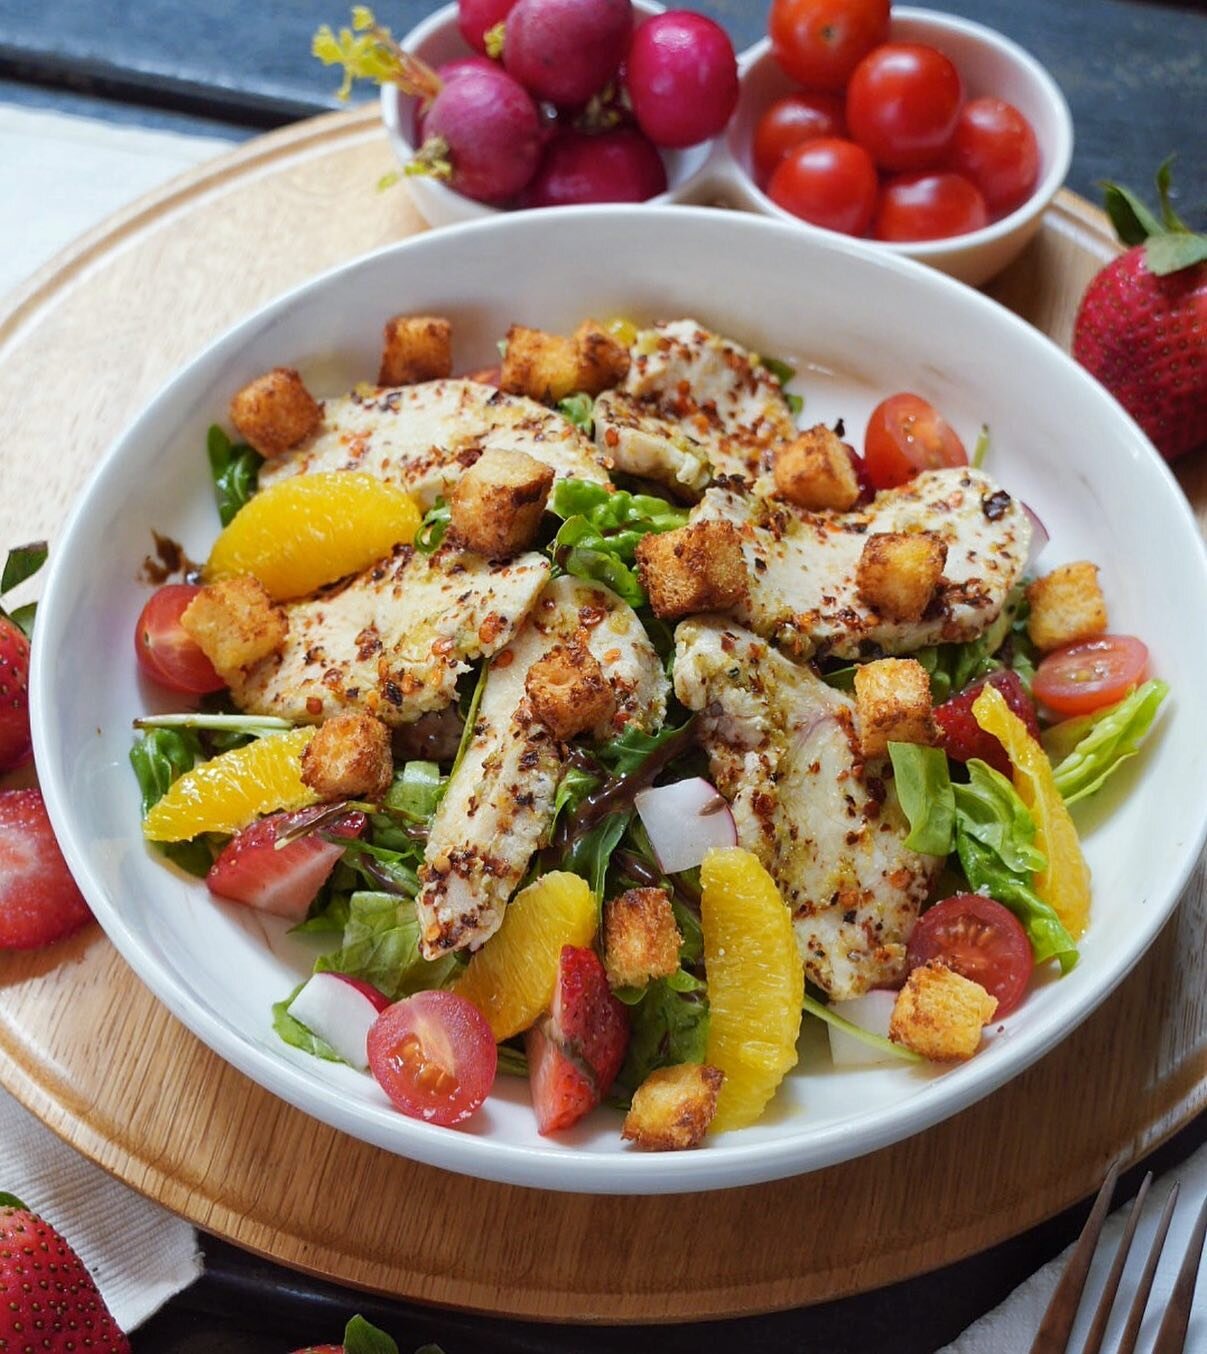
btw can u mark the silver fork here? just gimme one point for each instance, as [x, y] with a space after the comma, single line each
[1057, 1325]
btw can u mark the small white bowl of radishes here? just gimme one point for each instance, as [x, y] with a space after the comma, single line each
[592, 101]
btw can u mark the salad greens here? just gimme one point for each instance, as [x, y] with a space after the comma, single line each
[784, 373]
[297, 1035]
[381, 946]
[952, 667]
[579, 409]
[822, 1012]
[416, 791]
[22, 562]
[236, 471]
[1089, 750]
[669, 1020]
[433, 528]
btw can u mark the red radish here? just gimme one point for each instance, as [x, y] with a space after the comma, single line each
[682, 78]
[616, 166]
[565, 51]
[449, 71]
[14, 696]
[1039, 536]
[475, 18]
[574, 1055]
[39, 900]
[51, 1302]
[252, 869]
[685, 821]
[482, 134]
[871, 1012]
[341, 1010]
[962, 738]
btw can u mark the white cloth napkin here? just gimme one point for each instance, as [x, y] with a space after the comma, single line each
[1012, 1326]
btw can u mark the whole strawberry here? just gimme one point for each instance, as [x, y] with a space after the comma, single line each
[360, 1338]
[1142, 325]
[14, 696]
[49, 1302]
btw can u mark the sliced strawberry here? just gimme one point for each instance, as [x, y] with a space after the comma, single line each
[283, 881]
[963, 738]
[14, 696]
[39, 900]
[575, 1054]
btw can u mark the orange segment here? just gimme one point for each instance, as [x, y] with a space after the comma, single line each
[756, 983]
[1065, 883]
[233, 789]
[510, 979]
[309, 530]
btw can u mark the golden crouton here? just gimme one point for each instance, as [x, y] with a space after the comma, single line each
[236, 623]
[542, 366]
[496, 506]
[568, 691]
[602, 362]
[349, 758]
[673, 1107]
[1067, 605]
[815, 472]
[415, 348]
[940, 1014]
[693, 568]
[892, 704]
[641, 938]
[899, 571]
[275, 412]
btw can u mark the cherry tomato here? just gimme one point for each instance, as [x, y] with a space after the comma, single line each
[905, 435]
[434, 1055]
[829, 182]
[790, 121]
[903, 103]
[995, 147]
[980, 939]
[820, 42]
[1089, 675]
[928, 206]
[166, 653]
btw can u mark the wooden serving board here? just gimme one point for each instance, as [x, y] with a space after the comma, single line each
[90, 1051]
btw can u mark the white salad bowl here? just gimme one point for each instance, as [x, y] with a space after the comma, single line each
[858, 324]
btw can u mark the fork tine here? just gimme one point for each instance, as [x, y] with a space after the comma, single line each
[1131, 1332]
[1057, 1325]
[1171, 1338]
[1093, 1341]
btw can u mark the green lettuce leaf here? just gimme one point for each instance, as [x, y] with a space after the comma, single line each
[926, 794]
[416, 791]
[989, 809]
[236, 472]
[1089, 750]
[952, 667]
[381, 946]
[669, 1026]
[159, 757]
[578, 409]
[590, 854]
[580, 550]
[296, 1035]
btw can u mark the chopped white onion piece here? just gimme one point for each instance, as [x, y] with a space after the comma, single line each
[685, 821]
[871, 1012]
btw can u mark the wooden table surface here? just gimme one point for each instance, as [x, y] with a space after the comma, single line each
[1136, 79]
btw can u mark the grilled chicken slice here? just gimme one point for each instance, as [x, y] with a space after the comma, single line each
[394, 639]
[802, 565]
[422, 437]
[783, 750]
[498, 806]
[693, 405]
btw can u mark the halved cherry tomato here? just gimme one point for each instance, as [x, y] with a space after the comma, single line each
[1089, 675]
[928, 206]
[905, 435]
[995, 147]
[434, 1055]
[166, 653]
[790, 121]
[903, 103]
[820, 42]
[828, 182]
[980, 939]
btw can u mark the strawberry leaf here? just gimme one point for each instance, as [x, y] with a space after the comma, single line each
[11, 1201]
[23, 562]
[1170, 253]
[1164, 177]
[362, 1338]
[23, 618]
[1132, 220]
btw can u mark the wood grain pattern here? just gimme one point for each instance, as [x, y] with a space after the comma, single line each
[86, 1047]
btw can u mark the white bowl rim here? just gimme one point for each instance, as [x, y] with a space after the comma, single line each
[580, 1170]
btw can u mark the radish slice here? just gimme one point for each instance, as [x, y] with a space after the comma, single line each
[339, 1010]
[1039, 535]
[685, 821]
[871, 1012]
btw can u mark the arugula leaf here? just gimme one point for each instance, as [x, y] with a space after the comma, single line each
[926, 794]
[952, 667]
[575, 785]
[194, 857]
[297, 1035]
[1095, 746]
[780, 369]
[362, 1338]
[878, 1041]
[159, 757]
[381, 946]
[23, 562]
[470, 718]
[416, 791]
[669, 1026]
[433, 528]
[513, 1062]
[631, 749]
[388, 869]
[590, 853]
[794, 402]
[841, 679]
[578, 409]
[235, 468]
